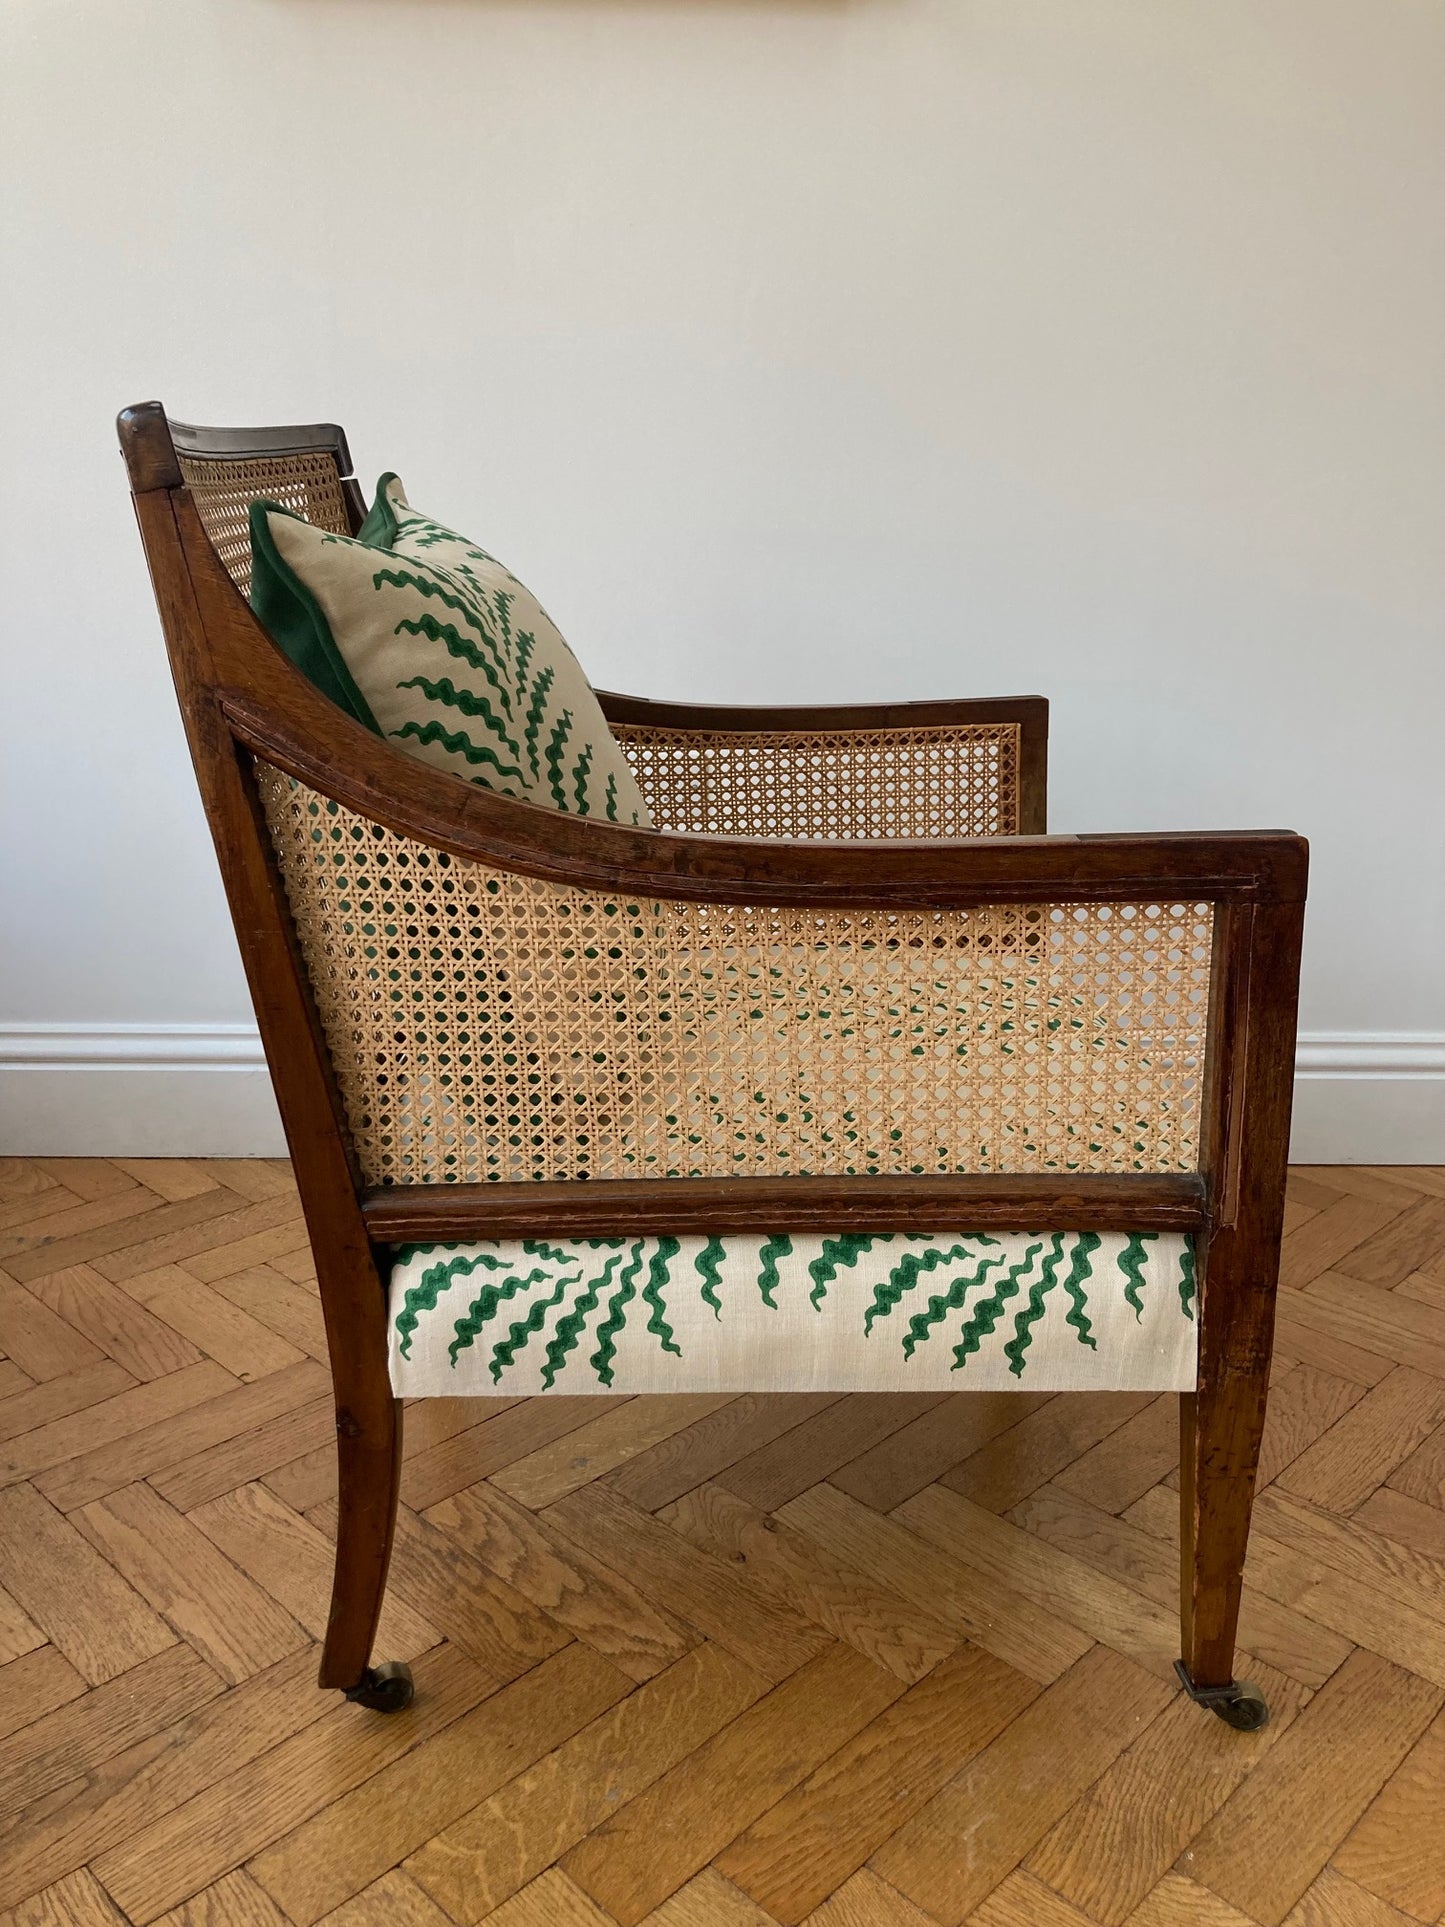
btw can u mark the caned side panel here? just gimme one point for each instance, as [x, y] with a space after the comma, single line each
[485, 1025]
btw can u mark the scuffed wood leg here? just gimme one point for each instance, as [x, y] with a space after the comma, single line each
[1221, 1423]
[1220, 1426]
[368, 1455]
[369, 1477]
[1220, 1429]
[1220, 1449]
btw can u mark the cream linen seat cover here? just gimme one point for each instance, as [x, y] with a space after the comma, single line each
[924, 1312]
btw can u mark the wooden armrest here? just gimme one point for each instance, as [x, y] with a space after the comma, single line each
[275, 712]
[330, 753]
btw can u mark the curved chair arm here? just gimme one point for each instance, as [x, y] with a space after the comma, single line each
[313, 741]
[236, 686]
[231, 676]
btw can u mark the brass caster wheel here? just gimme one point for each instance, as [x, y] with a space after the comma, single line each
[384, 1689]
[1240, 1704]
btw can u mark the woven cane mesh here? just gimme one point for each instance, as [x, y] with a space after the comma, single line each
[961, 780]
[488, 1025]
[224, 489]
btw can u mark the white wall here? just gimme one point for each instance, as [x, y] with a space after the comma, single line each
[789, 349]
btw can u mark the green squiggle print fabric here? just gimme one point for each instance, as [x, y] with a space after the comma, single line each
[934, 1311]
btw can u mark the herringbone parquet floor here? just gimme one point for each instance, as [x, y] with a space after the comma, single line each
[694, 1662]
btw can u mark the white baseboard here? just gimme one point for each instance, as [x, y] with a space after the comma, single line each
[1369, 1097]
[136, 1090]
[197, 1090]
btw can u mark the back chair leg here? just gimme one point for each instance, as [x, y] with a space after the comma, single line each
[369, 1478]
[1220, 1428]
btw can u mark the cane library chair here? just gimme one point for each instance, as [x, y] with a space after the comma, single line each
[729, 1075]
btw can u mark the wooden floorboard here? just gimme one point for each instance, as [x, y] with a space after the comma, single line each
[790, 1661]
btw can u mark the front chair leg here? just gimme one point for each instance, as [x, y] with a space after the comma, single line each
[1246, 1152]
[1220, 1427]
[369, 1478]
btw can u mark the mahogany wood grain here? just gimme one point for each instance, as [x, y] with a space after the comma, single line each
[649, 1207]
[1246, 1149]
[368, 1418]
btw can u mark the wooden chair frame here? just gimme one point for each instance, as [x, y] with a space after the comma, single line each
[242, 700]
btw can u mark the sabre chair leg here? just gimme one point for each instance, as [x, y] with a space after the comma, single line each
[369, 1476]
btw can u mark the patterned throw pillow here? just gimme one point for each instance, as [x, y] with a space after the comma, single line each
[429, 641]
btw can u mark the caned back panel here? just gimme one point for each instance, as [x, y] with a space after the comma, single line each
[223, 489]
[958, 780]
[488, 1025]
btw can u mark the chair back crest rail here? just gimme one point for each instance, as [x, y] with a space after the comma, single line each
[784, 1008]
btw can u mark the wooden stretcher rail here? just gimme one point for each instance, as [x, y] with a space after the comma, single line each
[649, 1207]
